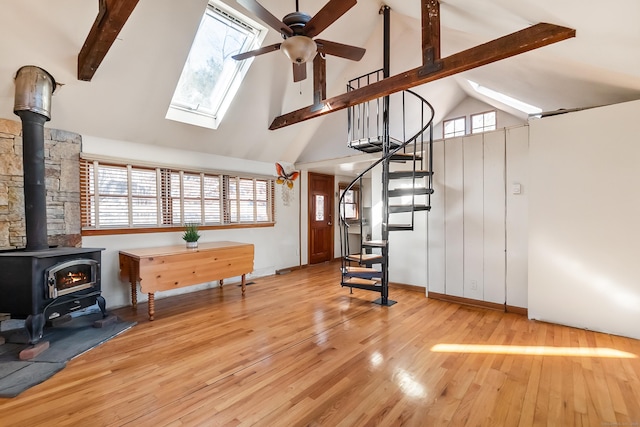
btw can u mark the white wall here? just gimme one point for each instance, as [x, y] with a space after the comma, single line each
[304, 217]
[517, 214]
[584, 212]
[275, 247]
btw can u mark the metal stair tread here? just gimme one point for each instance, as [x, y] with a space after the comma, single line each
[397, 192]
[352, 269]
[408, 208]
[368, 148]
[400, 227]
[409, 174]
[362, 272]
[360, 281]
[375, 243]
[404, 157]
[363, 257]
[373, 144]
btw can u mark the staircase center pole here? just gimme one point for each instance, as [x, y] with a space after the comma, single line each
[386, 72]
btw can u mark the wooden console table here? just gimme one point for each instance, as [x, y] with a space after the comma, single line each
[171, 267]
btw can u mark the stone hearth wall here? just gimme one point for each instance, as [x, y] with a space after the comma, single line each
[62, 175]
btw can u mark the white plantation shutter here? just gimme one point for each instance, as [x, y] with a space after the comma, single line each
[144, 197]
[88, 203]
[212, 199]
[262, 200]
[192, 206]
[113, 196]
[116, 196]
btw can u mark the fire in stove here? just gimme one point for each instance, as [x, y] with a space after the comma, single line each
[71, 276]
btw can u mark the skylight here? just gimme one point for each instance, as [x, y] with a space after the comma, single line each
[210, 77]
[505, 99]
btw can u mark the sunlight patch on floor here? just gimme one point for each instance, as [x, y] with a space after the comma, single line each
[533, 350]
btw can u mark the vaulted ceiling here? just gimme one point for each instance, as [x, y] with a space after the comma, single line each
[128, 97]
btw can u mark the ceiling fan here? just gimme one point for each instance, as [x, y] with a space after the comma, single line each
[298, 29]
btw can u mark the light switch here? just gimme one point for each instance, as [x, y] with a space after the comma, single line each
[516, 188]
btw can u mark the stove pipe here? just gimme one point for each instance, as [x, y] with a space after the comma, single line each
[34, 87]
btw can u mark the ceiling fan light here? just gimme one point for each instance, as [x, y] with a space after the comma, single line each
[299, 49]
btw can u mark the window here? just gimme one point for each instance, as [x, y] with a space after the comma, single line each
[454, 127]
[247, 200]
[483, 122]
[210, 77]
[121, 196]
[319, 207]
[350, 202]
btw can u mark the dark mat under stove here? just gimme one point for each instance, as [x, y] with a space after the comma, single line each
[66, 341]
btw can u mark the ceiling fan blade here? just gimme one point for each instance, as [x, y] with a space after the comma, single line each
[338, 49]
[256, 52]
[299, 71]
[326, 16]
[266, 16]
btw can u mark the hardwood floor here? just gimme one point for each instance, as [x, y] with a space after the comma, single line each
[300, 350]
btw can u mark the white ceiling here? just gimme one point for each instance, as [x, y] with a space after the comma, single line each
[130, 92]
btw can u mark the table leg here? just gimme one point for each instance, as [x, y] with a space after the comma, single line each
[244, 284]
[221, 283]
[134, 295]
[133, 279]
[152, 306]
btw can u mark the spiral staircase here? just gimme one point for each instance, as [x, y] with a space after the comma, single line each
[407, 180]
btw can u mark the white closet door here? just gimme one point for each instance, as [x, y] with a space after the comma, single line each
[436, 223]
[494, 217]
[454, 216]
[473, 216]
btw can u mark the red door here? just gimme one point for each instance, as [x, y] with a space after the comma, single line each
[320, 218]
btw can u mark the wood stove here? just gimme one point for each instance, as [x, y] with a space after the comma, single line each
[39, 283]
[44, 285]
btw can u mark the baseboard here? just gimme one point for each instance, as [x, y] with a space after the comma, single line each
[517, 310]
[290, 269]
[412, 288]
[466, 301]
[482, 304]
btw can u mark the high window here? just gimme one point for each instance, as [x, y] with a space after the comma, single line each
[210, 77]
[126, 196]
[454, 127]
[483, 122]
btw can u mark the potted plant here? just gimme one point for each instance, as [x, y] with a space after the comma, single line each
[191, 235]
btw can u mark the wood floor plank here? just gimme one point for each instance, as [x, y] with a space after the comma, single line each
[298, 349]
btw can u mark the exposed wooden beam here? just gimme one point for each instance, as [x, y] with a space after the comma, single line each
[319, 79]
[430, 31]
[112, 15]
[530, 38]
